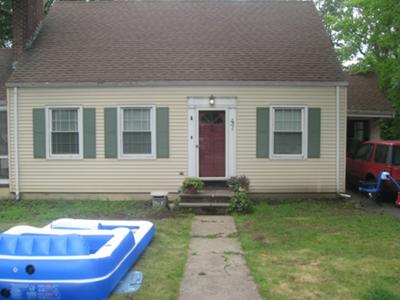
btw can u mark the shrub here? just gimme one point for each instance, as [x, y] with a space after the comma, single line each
[192, 185]
[240, 203]
[239, 183]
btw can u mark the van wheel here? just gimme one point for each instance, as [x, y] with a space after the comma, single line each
[388, 196]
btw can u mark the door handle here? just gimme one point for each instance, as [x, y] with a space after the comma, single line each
[197, 146]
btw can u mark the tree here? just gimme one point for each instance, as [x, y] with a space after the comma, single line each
[6, 20]
[366, 33]
[5, 23]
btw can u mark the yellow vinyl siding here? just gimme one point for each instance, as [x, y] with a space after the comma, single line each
[290, 175]
[102, 175]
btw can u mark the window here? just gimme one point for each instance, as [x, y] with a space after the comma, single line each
[65, 133]
[396, 156]
[137, 132]
[288, 138]
[364, 152]
[381, 154]
[3, 146]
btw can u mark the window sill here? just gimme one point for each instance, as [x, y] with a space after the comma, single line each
[288, 157]
[137, 157]
[65, 157]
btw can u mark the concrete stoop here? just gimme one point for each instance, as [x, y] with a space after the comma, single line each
[207, 201]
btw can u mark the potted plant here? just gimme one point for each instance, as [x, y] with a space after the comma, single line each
[239, 183]
[191, 185]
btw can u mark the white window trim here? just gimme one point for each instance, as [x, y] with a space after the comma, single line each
[49, 154]
[304, 130]
[5, 181]
[120, 121]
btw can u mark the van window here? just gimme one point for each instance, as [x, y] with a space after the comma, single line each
[396, 156]
[364, 152]
[381, 154]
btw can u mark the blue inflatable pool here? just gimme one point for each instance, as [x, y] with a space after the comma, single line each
[69, 258]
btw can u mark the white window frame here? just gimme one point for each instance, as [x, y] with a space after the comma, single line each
[304, 132]
[49, 153]
[120, 122]
[5, 181]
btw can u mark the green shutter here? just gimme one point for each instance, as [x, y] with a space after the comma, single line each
[262, 150]
[314, 132]
[110, 133]
[89, 133]
[39, 132]
[162, 134]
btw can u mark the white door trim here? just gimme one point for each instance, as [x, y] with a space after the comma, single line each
[196, 104]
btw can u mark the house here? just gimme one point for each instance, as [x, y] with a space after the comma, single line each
[127, 97]
[367, 106]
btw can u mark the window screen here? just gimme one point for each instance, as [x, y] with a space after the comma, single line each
[136, 131]
[64, 131]
[288, 131]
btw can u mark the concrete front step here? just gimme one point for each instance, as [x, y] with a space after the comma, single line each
[205, 208]
[201, 209]
[204, 204]
[207, 197]
[214, 201]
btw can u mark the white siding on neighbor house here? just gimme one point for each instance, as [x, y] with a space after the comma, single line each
[375, 133]
[102, 175]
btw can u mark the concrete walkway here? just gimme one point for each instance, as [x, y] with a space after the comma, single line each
[216, 268]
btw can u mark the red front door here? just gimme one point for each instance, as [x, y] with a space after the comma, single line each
[212, 143]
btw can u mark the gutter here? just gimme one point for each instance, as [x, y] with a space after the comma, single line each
[16, 154]
[371, 114]
[178, 83]
[337, 139]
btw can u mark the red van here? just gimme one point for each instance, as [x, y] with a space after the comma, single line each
[371, 158]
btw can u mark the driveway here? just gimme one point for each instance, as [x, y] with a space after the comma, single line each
[362, 201]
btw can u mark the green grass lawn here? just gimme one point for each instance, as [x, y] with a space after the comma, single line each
[321, 250]
[163, 261]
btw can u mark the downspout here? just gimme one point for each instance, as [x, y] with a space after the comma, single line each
[16, 155]
[338, 139]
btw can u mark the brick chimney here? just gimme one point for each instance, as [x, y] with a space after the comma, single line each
[27, 17]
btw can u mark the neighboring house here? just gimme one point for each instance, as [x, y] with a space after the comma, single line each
[367, 106]
[6, 58]
[133, 96]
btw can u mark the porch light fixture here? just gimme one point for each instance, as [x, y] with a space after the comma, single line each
[211, 100]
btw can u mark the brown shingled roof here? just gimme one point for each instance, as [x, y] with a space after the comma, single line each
[6, 57]
[365, 97]
[124, 41]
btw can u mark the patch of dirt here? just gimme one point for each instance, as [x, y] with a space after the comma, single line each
[302, 280]
[263, 239]
[310, 273]
[300, 291]
[148, 212]
[247, 225]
